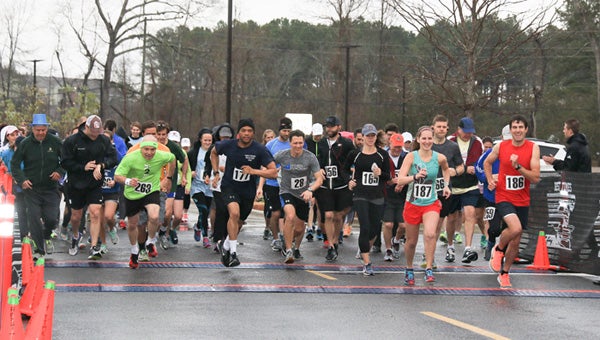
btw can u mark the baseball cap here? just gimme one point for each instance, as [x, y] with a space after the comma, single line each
[396, 140]
[467, 125]
[174, 136]
[332, 121]
[407, 136]
[185, 142]
[369, 129]
[506, 132]
[94, 123]
[317, 129]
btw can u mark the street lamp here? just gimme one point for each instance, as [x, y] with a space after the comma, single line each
[347, 91]
[229, 60]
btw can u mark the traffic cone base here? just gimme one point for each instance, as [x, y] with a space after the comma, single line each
[26, 261]
[33, 291]
[12, 324]
[40, 325]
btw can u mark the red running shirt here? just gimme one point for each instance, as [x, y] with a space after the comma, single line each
[512, 186]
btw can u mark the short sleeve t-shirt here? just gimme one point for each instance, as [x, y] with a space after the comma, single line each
[255, 156]
[296, 172]
[148, 172]
[274, 146]
[422, 192]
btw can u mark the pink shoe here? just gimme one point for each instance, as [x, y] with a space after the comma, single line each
[206, 242]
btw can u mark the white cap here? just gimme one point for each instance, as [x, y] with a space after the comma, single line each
[185, 142]
[407, 137]
[174, 136]
[506, 132]
[317, 129]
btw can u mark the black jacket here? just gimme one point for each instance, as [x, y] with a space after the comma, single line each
[40, 160]
[577, 158]
[332, 160]
[78, 150]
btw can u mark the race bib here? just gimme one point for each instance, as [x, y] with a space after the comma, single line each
[369, 179]
[489, 213]
[143, 188]
[298, 183]
[331, 171]
[105, 182]
[515, 182]
[240, 176]
[422, 190]
[439, 184]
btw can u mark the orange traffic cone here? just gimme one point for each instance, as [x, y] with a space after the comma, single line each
[40, 325]
[12, 324]
[26, 261]
[541, 261]
[33, 291]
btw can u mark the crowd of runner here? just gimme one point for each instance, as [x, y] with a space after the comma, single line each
[313, 187]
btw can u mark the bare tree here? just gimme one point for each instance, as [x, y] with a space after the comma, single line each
[469, 44]
[124, 31]
[14, 20]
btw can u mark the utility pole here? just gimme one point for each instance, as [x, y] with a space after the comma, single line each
[229, 60]
[35, 61]
[347, 90]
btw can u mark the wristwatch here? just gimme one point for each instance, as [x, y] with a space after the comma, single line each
[518, 167]
[310, 189]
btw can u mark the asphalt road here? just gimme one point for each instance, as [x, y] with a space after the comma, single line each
[185, 293]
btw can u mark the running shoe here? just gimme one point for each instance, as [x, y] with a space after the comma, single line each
[163, 240]
[64, 233]
[103, 249]
[444, 237]
[184, 219]
[395, 245]
[458, 238]
[309, 234]
[233, 260]
[496, 259]
[429, 275]
[266, 234]
[49, 246]
[114, 237]
[368, 270]
[277, 245]
[82, 244]
[331, 254]
[488, 251]
[358, 255]
[424, 263]
[123, 225]
[289, 257]
[224, 253]
[320, 236]
[341, 237]
[389, 255]
[143, 256]
[197, 234]
[326, 244]
[74, 249]
[450, 255]
[95, 253]
[297, 254]
[173, 236]
[151, 250]
[504, 281]
[133, 261]
[376, 249]
[483, 242]
[409, 277]
[205, 242]
[347, 230]
[53, 234]
[469, 256]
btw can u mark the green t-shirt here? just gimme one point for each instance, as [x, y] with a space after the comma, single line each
[134, 165]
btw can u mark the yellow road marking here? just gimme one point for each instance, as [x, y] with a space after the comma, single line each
[466, 326]
[325, 276]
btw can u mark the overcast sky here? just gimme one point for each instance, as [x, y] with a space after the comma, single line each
[46, 30]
